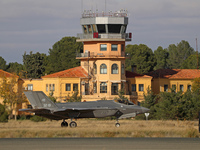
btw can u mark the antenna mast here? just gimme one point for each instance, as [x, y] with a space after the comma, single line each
[197, 54]
[105, 6]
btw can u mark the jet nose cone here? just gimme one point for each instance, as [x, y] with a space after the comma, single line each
[145, 110]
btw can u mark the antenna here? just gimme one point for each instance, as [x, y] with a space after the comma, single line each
[105, 6]
[81, 6]
[197, 54]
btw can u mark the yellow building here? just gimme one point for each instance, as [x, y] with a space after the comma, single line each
[17, 86]
[176, 79]
[62, 84]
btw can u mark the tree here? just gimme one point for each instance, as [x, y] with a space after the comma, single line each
[150, 101]
[74, 97]
[3, 114]
[12, 96]
[191, 62]
[62, 56]
[2, 63]
[14, 68]
[141, 56]
[168, 105]
[34, 64]
[161, 57]
[179, 53]
[196, 85]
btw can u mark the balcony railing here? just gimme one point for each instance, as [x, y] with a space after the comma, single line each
[125, 36]
[94, 55]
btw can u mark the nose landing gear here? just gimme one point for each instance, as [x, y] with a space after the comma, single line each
[117, 124]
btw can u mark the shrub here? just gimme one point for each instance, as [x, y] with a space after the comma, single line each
[3, 114]
[37, 119]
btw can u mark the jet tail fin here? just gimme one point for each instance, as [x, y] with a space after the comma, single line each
[39, 100]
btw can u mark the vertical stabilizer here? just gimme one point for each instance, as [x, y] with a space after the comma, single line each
[39, 100]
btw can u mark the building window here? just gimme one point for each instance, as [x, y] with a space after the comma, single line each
[123, 69]
[53, 87]
[133, 87]
[122, 48]
[181, 88]
[95, 87]
[114, 69]
[114, 47]
[114, 88]
[103, 47]
[165, 88]
[30, 87]
[173, 88]
[103, 87]
[141, 87]
[47, 87]
[68, 87]
[122, 86]
[103, 69]
[189, 87]
[95, 69]
[75, 87]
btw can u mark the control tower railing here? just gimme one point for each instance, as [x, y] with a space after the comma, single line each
[125, 36]
[90, 14]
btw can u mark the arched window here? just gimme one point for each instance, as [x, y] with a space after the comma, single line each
[103, 69]
[114, 69]
[123, 69]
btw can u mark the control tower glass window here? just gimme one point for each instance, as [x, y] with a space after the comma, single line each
[85, 29]
[114, 28]
[101, 28]
[94, 28]
[103, 47]
[89, 28]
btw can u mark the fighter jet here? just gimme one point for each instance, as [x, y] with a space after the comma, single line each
[43, 106]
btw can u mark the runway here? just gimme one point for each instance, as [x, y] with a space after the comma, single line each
[101, 144]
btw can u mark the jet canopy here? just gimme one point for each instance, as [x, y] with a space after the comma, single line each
[124, 101]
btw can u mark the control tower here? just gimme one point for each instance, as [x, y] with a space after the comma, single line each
[104, 36]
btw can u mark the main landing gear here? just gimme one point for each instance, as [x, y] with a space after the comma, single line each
[72, 124]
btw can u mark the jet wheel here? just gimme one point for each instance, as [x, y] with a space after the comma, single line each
[64, 124]
[73, 124]
[117, 125]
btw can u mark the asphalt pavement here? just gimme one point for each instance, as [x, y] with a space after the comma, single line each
[100, 144]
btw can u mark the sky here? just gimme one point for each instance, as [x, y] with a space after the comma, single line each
[35, 25]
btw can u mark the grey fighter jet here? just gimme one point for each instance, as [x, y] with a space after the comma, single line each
[43, 106]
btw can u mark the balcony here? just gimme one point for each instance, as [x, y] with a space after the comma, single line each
[104, 36]
[100, 55]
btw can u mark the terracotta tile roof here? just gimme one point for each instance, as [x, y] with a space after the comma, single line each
[130, 74]
[77, 72]
[7, 74]
[186, 74]
[175, 73]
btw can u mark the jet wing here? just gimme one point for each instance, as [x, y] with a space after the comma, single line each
[84, 109]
